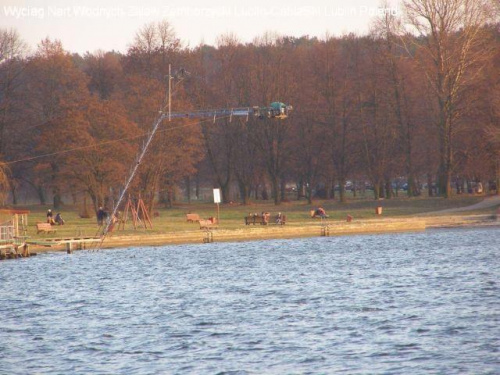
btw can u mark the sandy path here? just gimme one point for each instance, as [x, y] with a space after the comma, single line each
[488, 202]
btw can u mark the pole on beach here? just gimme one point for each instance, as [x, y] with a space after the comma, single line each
[217, 201]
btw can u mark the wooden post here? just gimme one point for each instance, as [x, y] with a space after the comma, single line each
[141, 207]
[325, 230]
[24, 222]
[135, 216]
[15, 222]
[26, 250]
[209, 236]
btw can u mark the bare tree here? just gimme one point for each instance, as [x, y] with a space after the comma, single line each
[154, 46]
[12, 51]
[451, 48]
[273, 79]
[104, 70]
[393, 60]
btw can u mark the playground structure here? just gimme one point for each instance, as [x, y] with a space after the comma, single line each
[13, 233]
[13, 223]
[138, 212]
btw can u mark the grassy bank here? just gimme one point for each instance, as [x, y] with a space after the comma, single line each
[231, 215]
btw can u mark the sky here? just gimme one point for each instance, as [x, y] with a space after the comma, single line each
[91, 25]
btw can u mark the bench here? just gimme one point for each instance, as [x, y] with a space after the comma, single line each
[280, 220]
[207, 224]
[191, 218]
[314, 214]
[44, 227]
[265, 219]
[257, 219]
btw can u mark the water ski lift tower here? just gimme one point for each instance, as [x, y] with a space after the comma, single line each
[276, 110]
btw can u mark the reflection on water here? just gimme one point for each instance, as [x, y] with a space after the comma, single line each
[393, 304]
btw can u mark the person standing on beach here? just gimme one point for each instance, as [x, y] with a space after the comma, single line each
[101, 215]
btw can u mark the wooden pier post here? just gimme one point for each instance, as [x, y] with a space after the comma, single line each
[209, 236]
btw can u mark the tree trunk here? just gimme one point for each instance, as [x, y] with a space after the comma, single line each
[430, 191]
[388, 190]
[444, 182]
[265, 195]
[411, 186]
[276, 190]
[57, 200]
[188, 189]
[330, 188]
[197, 186]
[13, 192]
[342, 198]
[282, 189]
[309, 193]
[376, 190]
[224, 189]
[74, 197]
[244, 192]
[170, 198]
[300, 184]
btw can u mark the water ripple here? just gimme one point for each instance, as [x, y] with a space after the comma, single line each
[387, 304]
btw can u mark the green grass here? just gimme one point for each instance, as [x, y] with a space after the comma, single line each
[232, 216]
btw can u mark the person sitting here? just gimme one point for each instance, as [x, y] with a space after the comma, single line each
[321, 212]
[59, 220]
[50, 219]
[279, 218]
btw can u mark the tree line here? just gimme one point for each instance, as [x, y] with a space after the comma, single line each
[416, 101]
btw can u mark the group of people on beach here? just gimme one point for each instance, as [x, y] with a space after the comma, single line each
[102, 215]
[58, 220]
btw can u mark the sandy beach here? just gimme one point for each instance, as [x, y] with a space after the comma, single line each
[293, 230]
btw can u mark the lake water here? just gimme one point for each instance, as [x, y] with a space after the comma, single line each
[376, 304]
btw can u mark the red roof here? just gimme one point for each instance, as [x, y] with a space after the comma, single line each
[13, 211]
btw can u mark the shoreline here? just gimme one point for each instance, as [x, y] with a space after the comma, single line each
[290, 231]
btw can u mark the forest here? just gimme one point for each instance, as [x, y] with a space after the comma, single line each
[414, 104]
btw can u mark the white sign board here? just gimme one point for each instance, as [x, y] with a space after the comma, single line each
[216, 195]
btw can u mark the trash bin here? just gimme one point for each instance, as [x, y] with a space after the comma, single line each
[378, 210]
